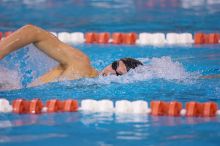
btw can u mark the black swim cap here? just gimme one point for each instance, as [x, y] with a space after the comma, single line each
[115, 66]
[130, 63]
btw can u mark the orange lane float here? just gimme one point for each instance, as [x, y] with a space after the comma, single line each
[91, 37]
[20, 106]
[174, 108]
[70, 105]
[218, 34]
[213, 38]
[103, 38]
[159, 108]
[129, 38]
[117, 38]
[210, 109]
[54, 105]
[36, 106]
[200, 38]
[194, 109]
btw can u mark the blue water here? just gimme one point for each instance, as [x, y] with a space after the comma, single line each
[170, 73]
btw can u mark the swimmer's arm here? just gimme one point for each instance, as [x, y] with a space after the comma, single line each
[50, 76]
[210, 76]
[44, 41]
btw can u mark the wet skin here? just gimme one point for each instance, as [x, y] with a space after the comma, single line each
[73, 63]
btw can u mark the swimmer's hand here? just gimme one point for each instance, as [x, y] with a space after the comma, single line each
[35, 83]
[2, 85]
[210, 76]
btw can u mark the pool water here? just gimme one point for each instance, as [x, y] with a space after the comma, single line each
[169, 73]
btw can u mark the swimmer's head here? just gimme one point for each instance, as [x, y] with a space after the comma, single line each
[121, 66]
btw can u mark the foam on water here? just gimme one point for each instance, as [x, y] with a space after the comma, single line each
[9, 79]
[154, 68]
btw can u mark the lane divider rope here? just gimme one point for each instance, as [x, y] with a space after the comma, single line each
[133, 38]
[157, 108]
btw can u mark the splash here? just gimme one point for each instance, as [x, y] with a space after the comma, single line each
[154, 68]
[9, 79]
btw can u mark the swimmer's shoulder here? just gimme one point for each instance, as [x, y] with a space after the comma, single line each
[94, 73]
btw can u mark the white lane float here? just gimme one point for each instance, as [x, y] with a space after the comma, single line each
[158, 39]
[89, 105]
[77, 38]
[183, 112]
[54, 33]
[151, 39]
[179, 38]
[145, 39]
[172, 38]
[139, 107]
[185, 38]
[64, 37]
[123, 106]
[73, 38]
[5, 107]
[105, 106]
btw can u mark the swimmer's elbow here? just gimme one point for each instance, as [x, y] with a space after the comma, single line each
[29, 26]
[83, 59]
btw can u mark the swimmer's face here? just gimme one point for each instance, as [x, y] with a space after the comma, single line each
[116, 68]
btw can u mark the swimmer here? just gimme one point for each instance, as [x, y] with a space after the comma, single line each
[73, 63]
